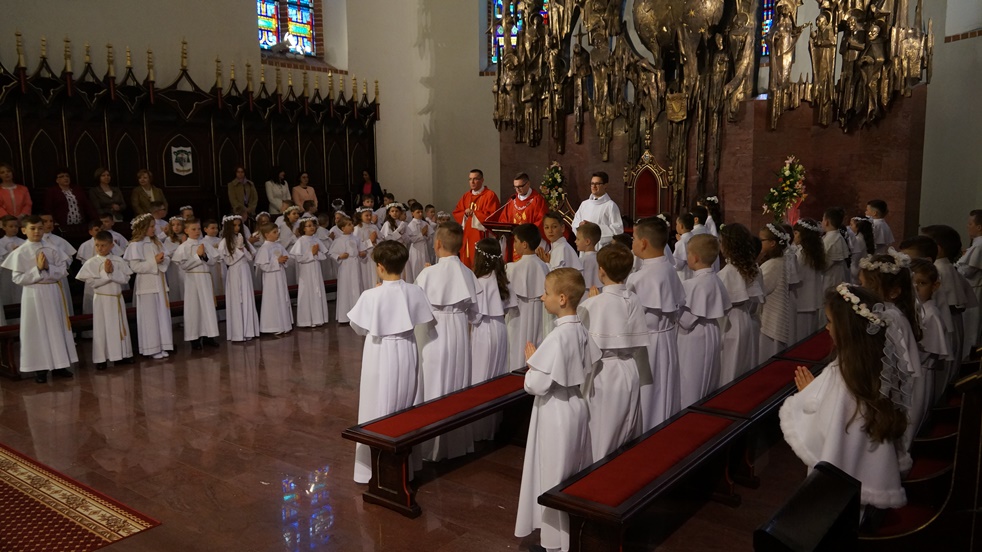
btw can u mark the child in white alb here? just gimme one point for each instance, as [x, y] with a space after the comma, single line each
[558, 443]
[311, 295]
[347, 251]
[489, 337]
[55, 241]
[241, 320]
[779, 314]
[614, 318]
[934, 342]
[706, 301]
[174, 236]
[387, 316]
[275, 314]
[662, 296]
[744, 286]
[560, 254]
[418, 238]
[810, 253]
[146, 257]
[9, 292]
[212, 239]
[287, 232]
[195, 259]
[368, 233]
[587, 237]
[876, 209]
[836, 249]
[106, 273]
[683, 233]
[970, 267]
[527, 278]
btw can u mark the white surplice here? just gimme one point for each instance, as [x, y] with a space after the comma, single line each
[386, 316]
[489, 346]
[823, 423]
[616, 324]
[527, 277]
[174, 275]
[218, 269]
[153, 321]
[66, 249]
[562, 255]
[367, 265]
[350, 284]
[241, 320]
[706, 302]
[933, 347]
[110, 328]
[311, 295]
[661, 294]
[9, 292]
[970, 267]
[837, 257]
[275, 314]
[778, 315]
[85, 252]
[200, 316]
[741, 327]
[558, 443]
[445, 349]
[603, 212]
[46, 341]
[811, 296]
[882, 235]
[419, 248]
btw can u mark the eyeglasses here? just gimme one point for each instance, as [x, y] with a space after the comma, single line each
[520, 186]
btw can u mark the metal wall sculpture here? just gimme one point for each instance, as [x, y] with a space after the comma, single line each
[703, 64]
[82, 121]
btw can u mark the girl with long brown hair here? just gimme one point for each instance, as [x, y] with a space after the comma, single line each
[241, 320]
[146, 257]
[810, 252]
[744, 285]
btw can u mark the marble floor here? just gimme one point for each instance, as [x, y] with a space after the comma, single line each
[239, 448]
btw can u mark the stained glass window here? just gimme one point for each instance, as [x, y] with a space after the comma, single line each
[300, 17]
[498, 36]
[767, 18]
[269, 23]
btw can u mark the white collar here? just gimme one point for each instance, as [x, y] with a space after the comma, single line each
[478, 191]
[526, 196]
[600, 199]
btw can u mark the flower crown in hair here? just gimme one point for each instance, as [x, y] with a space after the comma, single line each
[489, 256]
[228, 218]
[139, 218]
[261, 213]
[780, 234]
[308, 216]
[810, 226]
[292, 208]
[900, 261]
[172, 219]
[340, 212]
[663, 218]
[396, 205]
[361, 210]
[871, 315]
[863, 219]
[186, 208]
[712, 199]
[443, 214]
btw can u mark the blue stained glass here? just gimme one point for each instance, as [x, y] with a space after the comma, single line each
[767, 18]
[498, 38]
[301, 26]
[269, 23]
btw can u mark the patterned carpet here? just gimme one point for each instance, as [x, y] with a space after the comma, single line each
[46, 511]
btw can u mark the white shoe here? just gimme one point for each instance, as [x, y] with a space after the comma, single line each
[160, 355]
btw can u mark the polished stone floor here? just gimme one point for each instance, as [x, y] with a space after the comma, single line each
[239, 448]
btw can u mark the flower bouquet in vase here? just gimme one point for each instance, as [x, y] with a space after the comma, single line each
[553, 187]
[784, 200]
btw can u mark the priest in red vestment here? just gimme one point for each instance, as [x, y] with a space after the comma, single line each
[472, 210]
[526, 206]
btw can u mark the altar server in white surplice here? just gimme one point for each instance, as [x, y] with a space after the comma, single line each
[744, 286]
[489, 338]
[836, 248]
[106, 273]
[662, 296]
[615, 320]
[445, 348]
[275, 314]
[51, 239]
[810, 252]
[558, 442]
[587, 238]
[777, 317]
[146, 257]
[527, 278]
[706, 301]
[308, 253]
[195, 258]
[347, 251]
[46, 341]
[386, 315]
[600, 210]
[241, 319]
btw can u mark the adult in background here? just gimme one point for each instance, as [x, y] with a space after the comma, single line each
[15, 199]
[106, 198]
[472, 210]
[145, 194]
[600, 210]
[526, 206]
[277, 191]
[242, 193]
[369, 187]
[68, 205]
[303, 191]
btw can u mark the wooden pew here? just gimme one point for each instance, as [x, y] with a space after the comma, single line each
[393, 437]
[10, 334]
[603, 500]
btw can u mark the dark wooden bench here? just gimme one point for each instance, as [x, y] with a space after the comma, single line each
[603, 499]
[393, 437]
[10, 334]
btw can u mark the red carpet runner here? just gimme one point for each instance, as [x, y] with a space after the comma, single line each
[46, 511]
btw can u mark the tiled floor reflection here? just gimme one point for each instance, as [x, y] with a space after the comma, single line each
[239, 448]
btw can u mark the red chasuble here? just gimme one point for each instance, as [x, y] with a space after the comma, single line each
[483, 204]
[531, 210]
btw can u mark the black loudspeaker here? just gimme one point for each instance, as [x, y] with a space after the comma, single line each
[822, 515]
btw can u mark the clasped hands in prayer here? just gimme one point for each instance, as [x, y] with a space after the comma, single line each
[802, 377]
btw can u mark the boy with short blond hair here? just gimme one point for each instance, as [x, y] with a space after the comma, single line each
[105, 273]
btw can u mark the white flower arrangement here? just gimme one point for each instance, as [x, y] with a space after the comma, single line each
[228, 218]
[900, 262]
[139, 218]
[860, 308]
[809, 226]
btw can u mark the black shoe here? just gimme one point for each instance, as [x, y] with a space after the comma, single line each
[127, 360]
[101, 366]
[62, 373]
[196, 344]
[210, 342]
[41, 377]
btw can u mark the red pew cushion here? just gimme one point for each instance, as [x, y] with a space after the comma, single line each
[616, 481]
[424, 415]
[748, 393]
[816, 349]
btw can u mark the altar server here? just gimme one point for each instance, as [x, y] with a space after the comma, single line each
[600, 210]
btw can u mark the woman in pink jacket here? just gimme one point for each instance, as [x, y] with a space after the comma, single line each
[14, 198]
